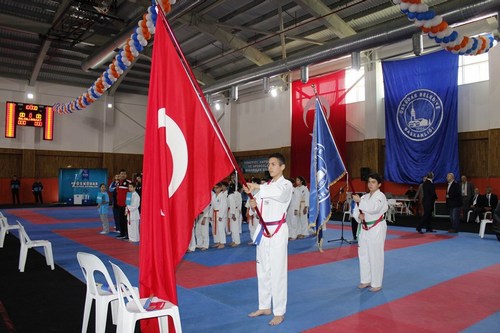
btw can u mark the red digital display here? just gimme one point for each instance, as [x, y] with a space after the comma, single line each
[23, 114]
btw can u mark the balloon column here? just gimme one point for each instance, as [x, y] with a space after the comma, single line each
[439, 30]
[133, 46]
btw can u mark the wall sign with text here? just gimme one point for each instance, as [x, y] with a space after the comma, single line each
[25, 114]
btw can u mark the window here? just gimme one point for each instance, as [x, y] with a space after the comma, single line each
[473, 69]
[357, 92]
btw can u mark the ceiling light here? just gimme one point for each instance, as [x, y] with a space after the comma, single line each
[110, 105]
[274, 92]
[217, 106]
[30, 95]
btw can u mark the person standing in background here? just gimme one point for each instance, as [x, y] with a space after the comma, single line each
[112, 188]
[120, 203]
[454, 203]
[102, 207]
[133, 202]
[467, 190]
[15, 185]
[429, 197]
[37, 189]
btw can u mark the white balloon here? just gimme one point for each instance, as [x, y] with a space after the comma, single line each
[404, 5]
[413, 8]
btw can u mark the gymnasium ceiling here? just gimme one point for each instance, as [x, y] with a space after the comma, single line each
[51, 40]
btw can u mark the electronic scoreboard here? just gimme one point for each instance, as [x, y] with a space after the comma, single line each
[24, 114]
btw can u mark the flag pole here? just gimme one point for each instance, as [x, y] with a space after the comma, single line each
[206, 108]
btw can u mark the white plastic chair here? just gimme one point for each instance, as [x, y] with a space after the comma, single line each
[103, 295]
[27, 243]
[133, 309]
[4, 228]
[484, 222]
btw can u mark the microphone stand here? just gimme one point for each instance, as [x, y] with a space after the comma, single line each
[342, 239]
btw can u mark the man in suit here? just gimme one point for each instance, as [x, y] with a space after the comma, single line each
[428, 199]
[454, 202]
[476, 205]
[467, 189]
[496, 222]
[491, 200]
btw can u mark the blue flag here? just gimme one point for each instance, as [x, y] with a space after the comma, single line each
[421, 117]
[326, 169]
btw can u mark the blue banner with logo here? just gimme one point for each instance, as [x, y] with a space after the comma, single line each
[81, 186]
[421, 117]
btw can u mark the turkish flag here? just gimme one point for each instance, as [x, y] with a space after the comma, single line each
[185, 155]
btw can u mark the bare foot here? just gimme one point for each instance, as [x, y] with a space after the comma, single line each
[277, 320]
[265, 312]
[375, 289]
[221, 246]
[363, 285]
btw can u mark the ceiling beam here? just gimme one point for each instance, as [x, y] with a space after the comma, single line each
[39, 61]
[250, 52]
[331, 20]
[22, 24]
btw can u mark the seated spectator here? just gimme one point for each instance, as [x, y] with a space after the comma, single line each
[491, 200]
[496, 221]
[411, 193]
[476, 205]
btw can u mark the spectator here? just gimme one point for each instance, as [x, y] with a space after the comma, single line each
[15, 185]
[491, 200]
[102, 207]
[37, 189]
[454, 198]
[476, 206]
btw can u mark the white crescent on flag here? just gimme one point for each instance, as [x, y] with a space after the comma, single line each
[178, 147]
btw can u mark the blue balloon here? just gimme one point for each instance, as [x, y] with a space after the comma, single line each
[120, 62]
[406, 11]
[446, 39]
[93, 94]
[453, 36]
[84, 100]
[412, 16]
[107, 79]
[138, 46]
[438, 40]
[474, 45]
[429, 15]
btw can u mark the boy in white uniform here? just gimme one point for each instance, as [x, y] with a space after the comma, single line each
[272, 199]
[219, 217]
[372, 230]
[234, 201]
[301, 213]
[201, 229]
[293, 215]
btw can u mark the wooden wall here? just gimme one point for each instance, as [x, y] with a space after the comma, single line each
[29, 163]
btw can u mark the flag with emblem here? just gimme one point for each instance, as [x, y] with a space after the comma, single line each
[185, 155]
[327, 168]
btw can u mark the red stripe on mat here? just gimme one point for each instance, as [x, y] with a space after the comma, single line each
[107, 244]
[450, 306]
[194, 275]
[37, 218]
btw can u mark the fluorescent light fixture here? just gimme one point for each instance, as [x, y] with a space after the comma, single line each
[217, 106]
[110, 105]
[30, 95]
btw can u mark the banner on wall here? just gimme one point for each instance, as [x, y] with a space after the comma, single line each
[331, 92]
[421, 117]
[254, 165]
[81, 186]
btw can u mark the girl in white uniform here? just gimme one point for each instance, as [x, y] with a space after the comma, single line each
[133, 215]
[201, 229]
[372, 230]
[234, 201]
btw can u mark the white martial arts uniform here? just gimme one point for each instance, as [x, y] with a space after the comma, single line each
[293, 219]
[272, 253]
[303, 222]
[371, 242]
[133, 217]
[219, 211]
[192, 242]
[234, 201]
[201, 230]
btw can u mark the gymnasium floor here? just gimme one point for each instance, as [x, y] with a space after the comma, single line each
[433, 282]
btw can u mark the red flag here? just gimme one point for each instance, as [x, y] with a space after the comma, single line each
[184, 156]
